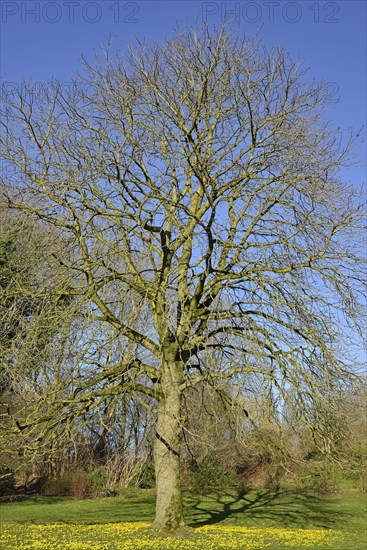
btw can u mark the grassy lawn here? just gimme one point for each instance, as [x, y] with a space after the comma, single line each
[260, 519]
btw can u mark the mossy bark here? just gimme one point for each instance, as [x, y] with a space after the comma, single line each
[169, 510]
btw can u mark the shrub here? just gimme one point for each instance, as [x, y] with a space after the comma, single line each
[79, 484]
[322, 477]
[6, 482]
[146, 479]
[57, 487]
[205, 477]
[123, 472]
[97, 481]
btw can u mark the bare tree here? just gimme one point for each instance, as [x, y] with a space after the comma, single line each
[197, 178]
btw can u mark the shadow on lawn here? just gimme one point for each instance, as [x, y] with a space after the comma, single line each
[265, 508]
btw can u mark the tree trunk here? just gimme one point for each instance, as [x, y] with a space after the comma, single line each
[169, 510]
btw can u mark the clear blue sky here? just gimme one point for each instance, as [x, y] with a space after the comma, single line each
[46, 38]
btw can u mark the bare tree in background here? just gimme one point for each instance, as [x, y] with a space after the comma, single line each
[198, 179]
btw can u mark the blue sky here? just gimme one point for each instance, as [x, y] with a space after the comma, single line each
[45, 39]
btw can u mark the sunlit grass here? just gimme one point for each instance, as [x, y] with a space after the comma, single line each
[259, 519]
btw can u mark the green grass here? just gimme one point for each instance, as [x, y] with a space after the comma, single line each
[216, 515]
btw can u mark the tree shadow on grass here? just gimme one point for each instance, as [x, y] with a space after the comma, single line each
[266, 509]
